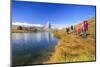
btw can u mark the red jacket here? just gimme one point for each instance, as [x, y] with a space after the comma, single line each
[85, 25]
[79, 30]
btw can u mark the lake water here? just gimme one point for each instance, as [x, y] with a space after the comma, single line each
[32, 48]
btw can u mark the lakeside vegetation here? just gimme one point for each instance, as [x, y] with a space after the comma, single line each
[74, 48]
[23, 31]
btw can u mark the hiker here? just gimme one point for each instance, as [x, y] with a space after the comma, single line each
[67, 30]
[84, 28]
[78, 31]
[71, 28]
[74, 29]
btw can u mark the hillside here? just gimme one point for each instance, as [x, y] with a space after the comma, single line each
[74, 48]
[91, 25]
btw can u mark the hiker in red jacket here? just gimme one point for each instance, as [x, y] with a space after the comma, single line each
[78, 30]
[84, 28]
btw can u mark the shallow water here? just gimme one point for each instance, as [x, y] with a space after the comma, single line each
[31, 48]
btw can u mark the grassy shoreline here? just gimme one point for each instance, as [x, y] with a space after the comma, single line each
[72, 48]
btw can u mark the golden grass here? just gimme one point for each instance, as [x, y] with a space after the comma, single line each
[72, 48]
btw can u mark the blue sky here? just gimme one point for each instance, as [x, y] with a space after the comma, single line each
[59, 14]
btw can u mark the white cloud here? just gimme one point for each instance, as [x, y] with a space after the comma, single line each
[26, 24]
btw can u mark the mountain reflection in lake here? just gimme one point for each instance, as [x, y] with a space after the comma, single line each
[32, 48]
